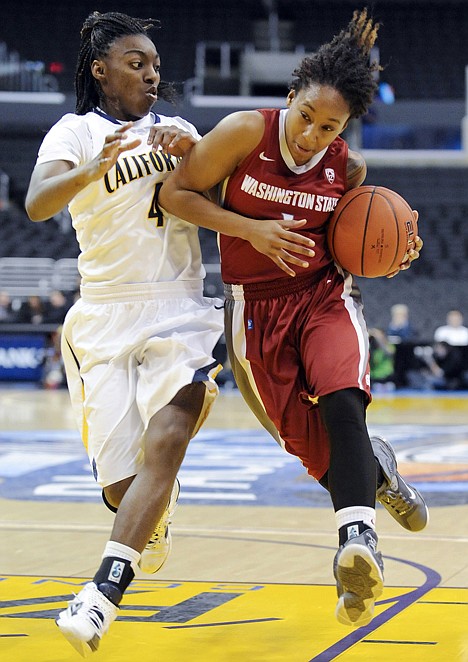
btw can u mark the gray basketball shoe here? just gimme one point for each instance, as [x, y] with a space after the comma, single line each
[404, 503]
[358, 570]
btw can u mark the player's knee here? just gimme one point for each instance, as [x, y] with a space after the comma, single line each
[167, 444]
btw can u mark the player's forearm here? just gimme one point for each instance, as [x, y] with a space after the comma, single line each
[49, 196]
[197, 209]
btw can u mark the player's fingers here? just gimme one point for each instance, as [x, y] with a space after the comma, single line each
[152, 133]
[159, 137]
[113, 140]
[125, 127]
[291, 223]
[118, 135]
[283, 266]
[402, 267]
[131, 145]
[293, 259]
[294, 239]
[296, 247]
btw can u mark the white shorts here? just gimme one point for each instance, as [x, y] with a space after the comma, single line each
[127, 352]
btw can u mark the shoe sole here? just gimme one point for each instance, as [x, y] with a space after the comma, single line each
[360, 582]
[388, 454]
[83, 647]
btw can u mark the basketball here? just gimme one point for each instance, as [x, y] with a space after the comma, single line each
[371, 230]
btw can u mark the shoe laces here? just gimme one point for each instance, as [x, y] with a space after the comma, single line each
[96, 617]
[397, 501]
[160, 533]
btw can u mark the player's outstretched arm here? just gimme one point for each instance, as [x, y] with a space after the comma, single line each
[55, 183]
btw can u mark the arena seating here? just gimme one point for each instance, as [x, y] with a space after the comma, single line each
[426, 59]
[25, 276]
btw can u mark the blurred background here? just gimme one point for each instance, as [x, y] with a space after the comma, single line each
[224, 56]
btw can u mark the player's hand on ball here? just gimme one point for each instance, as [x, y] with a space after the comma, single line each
[411, 255]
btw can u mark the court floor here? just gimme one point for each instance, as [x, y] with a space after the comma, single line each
[250, 574]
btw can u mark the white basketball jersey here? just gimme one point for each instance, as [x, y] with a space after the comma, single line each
[117, 218]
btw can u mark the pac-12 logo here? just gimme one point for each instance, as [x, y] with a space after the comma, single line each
[330, 175]
[410, 230]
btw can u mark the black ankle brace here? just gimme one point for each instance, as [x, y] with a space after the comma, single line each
[113, 577]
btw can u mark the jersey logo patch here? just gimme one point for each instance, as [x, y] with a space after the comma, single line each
[264, 158]
[330, 175]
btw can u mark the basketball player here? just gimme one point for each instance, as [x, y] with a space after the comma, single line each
[299, 346]
[138, 344]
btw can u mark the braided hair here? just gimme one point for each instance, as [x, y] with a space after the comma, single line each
[343, 64]
[98, 33]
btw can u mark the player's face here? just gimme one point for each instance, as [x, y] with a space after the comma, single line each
[129, 77]
[317, 115]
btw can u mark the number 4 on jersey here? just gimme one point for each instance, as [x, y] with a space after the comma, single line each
[155, 210]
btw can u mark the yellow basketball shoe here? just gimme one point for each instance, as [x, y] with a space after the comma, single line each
[159, 545]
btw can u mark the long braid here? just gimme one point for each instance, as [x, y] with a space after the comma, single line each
[343, 64]
[98, 33]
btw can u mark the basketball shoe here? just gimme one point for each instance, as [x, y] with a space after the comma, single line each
[404, 503]
[87, 617]
[358, 570]
[159, 545]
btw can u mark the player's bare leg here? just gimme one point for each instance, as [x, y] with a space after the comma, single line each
[143, 505]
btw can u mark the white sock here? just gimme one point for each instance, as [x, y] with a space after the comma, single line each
[116, 549]
[364, 514]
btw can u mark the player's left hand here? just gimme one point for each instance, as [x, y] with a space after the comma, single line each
[411, 255]
[171, 139]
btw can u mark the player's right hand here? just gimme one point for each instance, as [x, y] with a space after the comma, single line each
[114, 145]
[277, 240]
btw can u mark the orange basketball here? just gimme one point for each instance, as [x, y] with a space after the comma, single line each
[370, 231]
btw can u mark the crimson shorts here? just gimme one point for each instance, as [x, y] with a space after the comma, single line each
[289, 343]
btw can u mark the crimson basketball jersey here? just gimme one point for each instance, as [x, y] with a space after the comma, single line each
[268, 185]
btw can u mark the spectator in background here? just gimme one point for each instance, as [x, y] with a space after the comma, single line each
[400, 328]
[6, 311]
[453, 332]
[54, 370]
[56, 308]
[448, 366]
[32, 311]
[381, 357]
[441, 368]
